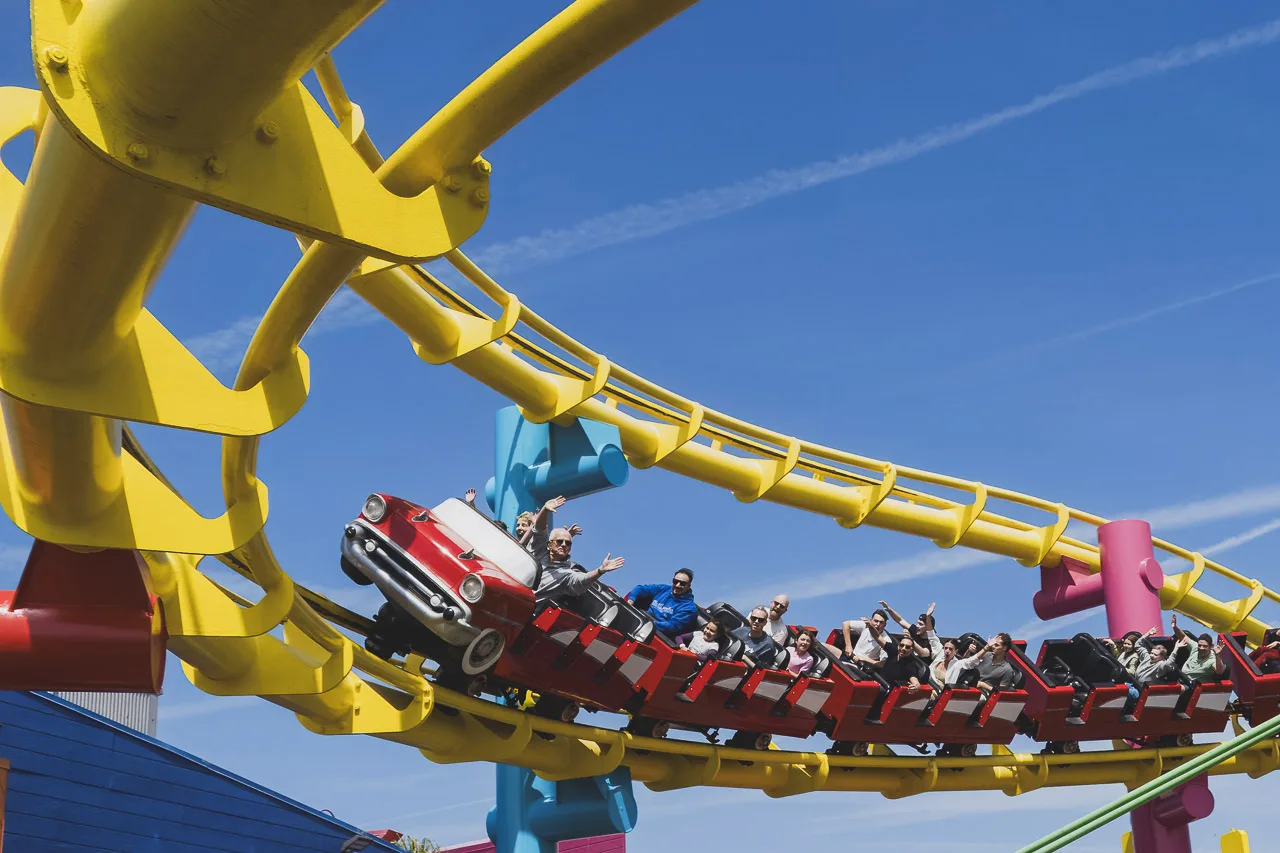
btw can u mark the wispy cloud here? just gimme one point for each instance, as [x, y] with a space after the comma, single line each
[205, 707]
[937, 562]
[1094, 331]
[1241, 538]
[647, 220]
[222, 349]
[1033, 629]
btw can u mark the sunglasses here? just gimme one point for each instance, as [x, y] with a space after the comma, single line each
[679, 582]
[565, 542]
[780, 606]
[756, 618]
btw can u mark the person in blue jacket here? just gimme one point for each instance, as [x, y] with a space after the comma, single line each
[671, 607]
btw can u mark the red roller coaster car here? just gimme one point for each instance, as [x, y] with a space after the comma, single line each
[461, 591]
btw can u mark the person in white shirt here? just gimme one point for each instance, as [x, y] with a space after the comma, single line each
[869, 649]
[706, 643]
[919, 632]
[775, 627]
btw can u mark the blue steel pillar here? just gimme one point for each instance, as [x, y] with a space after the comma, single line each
[533, 814]
[534, 463]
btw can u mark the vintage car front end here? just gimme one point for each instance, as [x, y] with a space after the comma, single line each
[434, 573]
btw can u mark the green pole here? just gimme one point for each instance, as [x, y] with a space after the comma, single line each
[1148, 792]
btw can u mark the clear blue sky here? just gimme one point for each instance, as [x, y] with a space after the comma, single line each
[1004, 242]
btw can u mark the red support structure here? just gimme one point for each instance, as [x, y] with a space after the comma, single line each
[81, 621]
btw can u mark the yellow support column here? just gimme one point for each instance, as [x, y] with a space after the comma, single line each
[1235, 841]
[90, 239]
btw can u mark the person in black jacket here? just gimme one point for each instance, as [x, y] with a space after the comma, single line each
[906, 667]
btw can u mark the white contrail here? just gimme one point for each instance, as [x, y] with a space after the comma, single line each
[1110, 326]
[938, 562]
[1241, 538]
[647, 220]
[223, 348]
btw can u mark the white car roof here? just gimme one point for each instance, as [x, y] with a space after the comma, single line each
[494, 543]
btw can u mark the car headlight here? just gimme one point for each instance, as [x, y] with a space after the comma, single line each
[471, 588]
[375, 508]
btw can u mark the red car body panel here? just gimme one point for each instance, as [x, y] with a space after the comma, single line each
[1261, 693]
[1102, 717]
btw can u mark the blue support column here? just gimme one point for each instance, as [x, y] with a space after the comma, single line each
[537, 462]
[534, 463]
[533, 814]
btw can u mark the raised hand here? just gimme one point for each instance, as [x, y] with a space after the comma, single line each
[1220, 647]
[885, 605]
[575, 530]
[554, 504]
[610, 564]
[1173, 620]
[932, 607]
[470, 497]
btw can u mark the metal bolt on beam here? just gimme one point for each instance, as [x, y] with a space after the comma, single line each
[479, 196]
[138, 153]
[481, 167]
[268, 132]
[56, 58]
[215, 167]
[451, 183]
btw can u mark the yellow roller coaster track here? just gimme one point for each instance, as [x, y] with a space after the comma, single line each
[133, 135]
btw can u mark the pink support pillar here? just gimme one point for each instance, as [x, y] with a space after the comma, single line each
[1131, 577]
[1131, 582]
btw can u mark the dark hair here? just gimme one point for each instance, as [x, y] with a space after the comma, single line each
[1132, 635]
[879, 612]
[1208, 639]
[719, 628]
[1008, 641]
[927, 619]
[809, 632]
[688, 572]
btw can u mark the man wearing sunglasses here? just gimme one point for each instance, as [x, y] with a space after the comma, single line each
[672, 607]
[562, 579]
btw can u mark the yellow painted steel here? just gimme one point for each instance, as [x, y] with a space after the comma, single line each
[126, 138]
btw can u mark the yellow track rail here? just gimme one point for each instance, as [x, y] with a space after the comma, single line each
[92, 496]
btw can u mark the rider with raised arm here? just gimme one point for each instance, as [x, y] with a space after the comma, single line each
[869, 649]
[991, 661]
[926, 647]
[563, 579]
[1204, 662]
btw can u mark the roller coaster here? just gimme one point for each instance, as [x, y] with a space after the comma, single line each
[129, 142]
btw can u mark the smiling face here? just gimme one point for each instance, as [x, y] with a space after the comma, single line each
[1203, 646]
[1159, 653]
[906, 648]
[680, 583]
[778, 607]
[710, 632]
[757, 619]
[559, 546]
[803, 642]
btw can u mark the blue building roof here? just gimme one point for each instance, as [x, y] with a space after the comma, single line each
[79, 782]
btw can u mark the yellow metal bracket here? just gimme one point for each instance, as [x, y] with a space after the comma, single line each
[146, 515]
[671, 437]
[19, 112]
[571, 392]
[473, 333]
[965, 516]
[195, 607]
[1049, 535]
[1177, 586]
[295, 170]
[154, 379]
[868, 498]
[771, 472]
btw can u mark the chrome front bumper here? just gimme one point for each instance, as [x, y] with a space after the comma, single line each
[407, 583]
